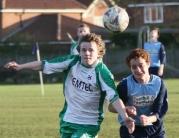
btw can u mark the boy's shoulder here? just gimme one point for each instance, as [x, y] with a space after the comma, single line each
[102, 67]
[74, 44]
[103, 70]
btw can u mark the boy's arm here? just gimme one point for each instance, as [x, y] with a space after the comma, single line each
[122, 92]
[111, 108]
[131, 110]
[162, 56]
[35, 65]
[120, 108]
[161, 69]
[107, 84]
[160, 106]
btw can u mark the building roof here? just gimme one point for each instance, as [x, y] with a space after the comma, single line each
[50, 4]
[42, 4]
[138, 3]
[41, 29]
[85, 2]
[72, 28]
[89, 2]
[44, 28]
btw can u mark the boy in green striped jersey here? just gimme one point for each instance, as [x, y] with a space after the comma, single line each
[82, 29]
[87, 82]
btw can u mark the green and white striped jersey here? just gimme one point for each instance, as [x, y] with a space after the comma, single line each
[73, 50]
[85, 89]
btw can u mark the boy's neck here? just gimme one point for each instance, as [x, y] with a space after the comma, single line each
[146, 79]
[152, 41]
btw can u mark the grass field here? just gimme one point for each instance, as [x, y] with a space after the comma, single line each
[25, 113]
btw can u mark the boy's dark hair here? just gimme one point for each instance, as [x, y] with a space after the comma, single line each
[137, 53]
[157, 29]
[93, 38]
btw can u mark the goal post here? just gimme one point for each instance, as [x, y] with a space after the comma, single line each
[143, 36]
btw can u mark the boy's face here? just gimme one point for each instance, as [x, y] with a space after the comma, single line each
[83, 31]
[139, 68]
[89, 53]
[154, 34]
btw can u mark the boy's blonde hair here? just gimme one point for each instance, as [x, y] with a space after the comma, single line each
[83, 25]
[93, 38]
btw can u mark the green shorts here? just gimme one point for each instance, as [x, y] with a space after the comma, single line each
[71, 130]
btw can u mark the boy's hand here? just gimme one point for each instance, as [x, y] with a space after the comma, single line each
[131, 110]
[129, 122]
[13, 65]
[144, 120]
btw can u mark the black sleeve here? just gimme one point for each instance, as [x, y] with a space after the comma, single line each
[143, 45]
[162, 55]
[122, 90]
[160, 106]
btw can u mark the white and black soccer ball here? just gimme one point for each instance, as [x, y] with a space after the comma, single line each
[115, 19]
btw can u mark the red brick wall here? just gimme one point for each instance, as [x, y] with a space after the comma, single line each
[72, 15]
[170, 17]
[11, 21]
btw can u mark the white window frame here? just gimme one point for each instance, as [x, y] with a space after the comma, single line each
[158, 9]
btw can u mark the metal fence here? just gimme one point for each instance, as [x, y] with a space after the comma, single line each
[114, 60]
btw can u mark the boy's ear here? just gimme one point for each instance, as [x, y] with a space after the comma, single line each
[99, 56]
[148, 65]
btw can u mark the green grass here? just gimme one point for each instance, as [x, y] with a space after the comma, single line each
[25, 113]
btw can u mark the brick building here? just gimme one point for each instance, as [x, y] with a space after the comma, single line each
[49, 20]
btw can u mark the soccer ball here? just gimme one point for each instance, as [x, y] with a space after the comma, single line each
[115, 19]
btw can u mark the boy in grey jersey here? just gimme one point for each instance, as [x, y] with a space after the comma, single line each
[145, 98]
[87, 82]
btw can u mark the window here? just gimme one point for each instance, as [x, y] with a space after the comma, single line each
[153, 14]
